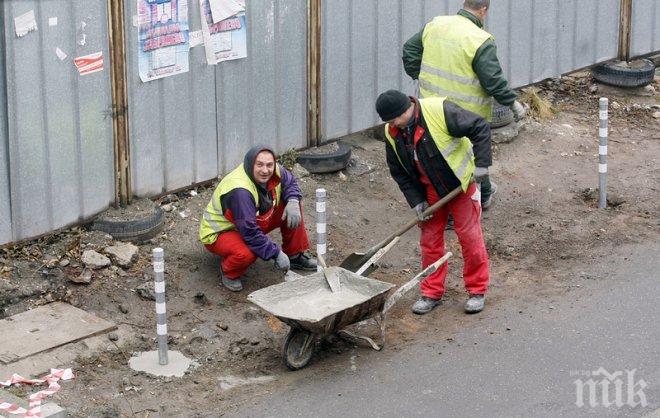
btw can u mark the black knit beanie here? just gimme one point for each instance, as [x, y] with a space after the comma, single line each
[392, 104]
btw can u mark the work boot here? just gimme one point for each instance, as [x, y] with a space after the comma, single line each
[487, 201]
[303, 261]
[475, 303]
[424, 305]
[234, 285]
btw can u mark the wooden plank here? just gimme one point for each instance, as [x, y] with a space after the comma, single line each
[45, 328]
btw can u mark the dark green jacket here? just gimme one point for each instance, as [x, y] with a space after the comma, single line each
[485, 64]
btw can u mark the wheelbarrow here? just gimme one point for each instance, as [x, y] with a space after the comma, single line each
[313, 311]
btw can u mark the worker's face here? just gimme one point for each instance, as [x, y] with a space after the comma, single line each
[404, 119]
[264, 165]
[481, 14]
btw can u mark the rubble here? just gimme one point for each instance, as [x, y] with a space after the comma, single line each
[85, 277]
[93, 260]
[122, 254]
[146, 291]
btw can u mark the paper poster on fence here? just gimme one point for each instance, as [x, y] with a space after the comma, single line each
[227, 39]
[163, 38]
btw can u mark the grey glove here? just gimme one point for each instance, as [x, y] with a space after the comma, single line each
[282, 261]
[518, 111]
[480, 174]
[292, 213]
[420, 208]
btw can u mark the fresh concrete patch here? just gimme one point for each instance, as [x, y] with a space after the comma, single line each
[229, 382]
[506, 133]
[148, 362]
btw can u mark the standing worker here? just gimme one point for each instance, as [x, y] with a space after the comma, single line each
[434, 146]
[255, 198]
[454, 57]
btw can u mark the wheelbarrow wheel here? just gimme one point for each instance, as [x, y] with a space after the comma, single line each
[298, 348]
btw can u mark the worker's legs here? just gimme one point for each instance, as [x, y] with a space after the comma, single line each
[432, 244]
[236, 256]
[294, 241]
[466, 209]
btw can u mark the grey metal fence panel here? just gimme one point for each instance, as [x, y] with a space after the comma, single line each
[172, 121]
[192, 127]
[645, 27]
[5, 191]
[536, 39]
[59, 133]
[262, 98]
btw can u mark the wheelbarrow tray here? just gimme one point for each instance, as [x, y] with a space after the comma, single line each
[309, 303]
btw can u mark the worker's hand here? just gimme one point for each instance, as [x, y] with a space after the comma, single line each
[292, 213]
[518, 111]
[480, 174]
[420, 208]
[282, 261]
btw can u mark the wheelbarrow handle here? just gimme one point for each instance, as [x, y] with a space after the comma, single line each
[429, 211]
[421, 276]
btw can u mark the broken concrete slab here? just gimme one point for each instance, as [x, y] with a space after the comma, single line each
[47, 327]
[148, 362]
[48, 410]
[122, 254]
[94, 260]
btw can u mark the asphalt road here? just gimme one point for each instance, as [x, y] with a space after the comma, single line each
[509, 364]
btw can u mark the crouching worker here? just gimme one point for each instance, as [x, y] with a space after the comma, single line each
[255, 198]
[434, 146]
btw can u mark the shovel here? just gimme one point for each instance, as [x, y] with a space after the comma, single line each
[329, 274]
[358, 261]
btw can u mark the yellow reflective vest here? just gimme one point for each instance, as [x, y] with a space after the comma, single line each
[213, 220]
[456, 151]
[450, 45]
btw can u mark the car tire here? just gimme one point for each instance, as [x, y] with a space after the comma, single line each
[142, 226]
[326, 163]
[502, 116]
[637, 73]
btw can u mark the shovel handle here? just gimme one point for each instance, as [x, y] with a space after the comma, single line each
[321, 260]
[437, 205]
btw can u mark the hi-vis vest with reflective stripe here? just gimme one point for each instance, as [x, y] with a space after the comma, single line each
[450, 44]
[213, 221]
[456, 151]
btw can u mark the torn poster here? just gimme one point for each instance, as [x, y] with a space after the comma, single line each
[52, 21]
[225, 40]
[223, 9]
[89, 64]
[25, 23]
[196, 38]
[163, 38]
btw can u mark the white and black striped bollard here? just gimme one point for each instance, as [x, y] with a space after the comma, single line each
[602, 153]
[161, 316]
[320, 224]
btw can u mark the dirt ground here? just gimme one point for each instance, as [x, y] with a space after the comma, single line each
[544, 226]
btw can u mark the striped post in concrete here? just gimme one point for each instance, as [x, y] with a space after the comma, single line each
[161, 317]
[602, 153]
[320, 224]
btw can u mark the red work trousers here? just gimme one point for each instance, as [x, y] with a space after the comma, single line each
[466, 210]
[237, 256]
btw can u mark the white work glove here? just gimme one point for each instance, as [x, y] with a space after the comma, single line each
[292, 213]
[480, 174]
[420, 208]
[518, 111]
[282, 261]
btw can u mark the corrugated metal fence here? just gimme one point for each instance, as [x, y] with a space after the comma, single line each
[56, 157]
[56, 142]
[192, 127]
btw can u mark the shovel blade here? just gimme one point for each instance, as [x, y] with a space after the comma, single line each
[332, 278]
[356, 260]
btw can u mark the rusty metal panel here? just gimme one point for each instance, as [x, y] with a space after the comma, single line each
[58, 137]
[536, 39]
[645, 27]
